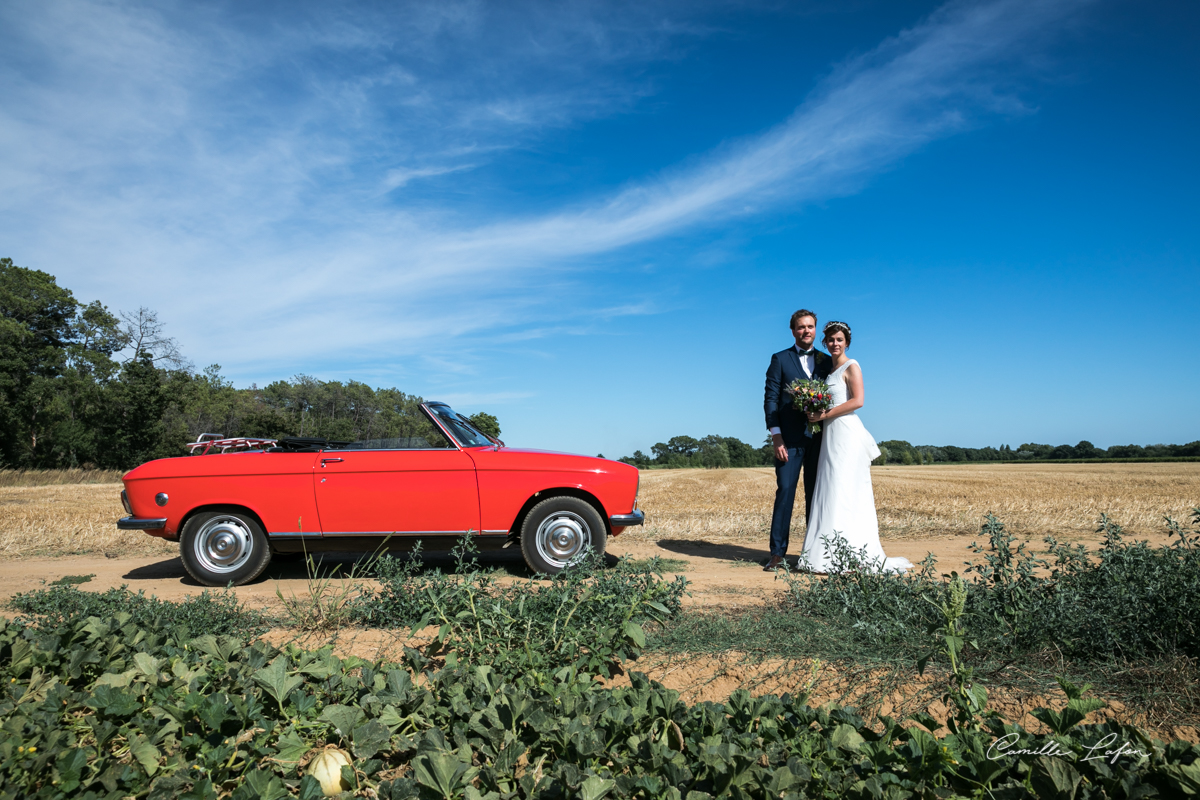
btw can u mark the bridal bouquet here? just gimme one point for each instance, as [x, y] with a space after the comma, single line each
[810, 394]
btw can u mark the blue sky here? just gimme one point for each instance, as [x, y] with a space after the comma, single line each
[594, 219]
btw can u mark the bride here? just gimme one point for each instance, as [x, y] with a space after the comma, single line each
[843, 505]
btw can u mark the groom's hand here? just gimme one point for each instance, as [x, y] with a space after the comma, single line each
[780, 447]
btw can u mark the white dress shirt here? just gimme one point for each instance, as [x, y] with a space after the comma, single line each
[808, 363]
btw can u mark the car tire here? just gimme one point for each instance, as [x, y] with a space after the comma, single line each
[223, 547]
[558, 531]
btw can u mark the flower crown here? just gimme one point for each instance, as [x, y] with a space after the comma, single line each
[833, 324]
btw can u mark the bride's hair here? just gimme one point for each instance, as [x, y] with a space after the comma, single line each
[834, 325]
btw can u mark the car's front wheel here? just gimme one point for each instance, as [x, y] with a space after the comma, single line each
[559, 531]
[222, 547]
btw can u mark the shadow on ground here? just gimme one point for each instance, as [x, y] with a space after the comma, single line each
[724, 552]
[295, 567]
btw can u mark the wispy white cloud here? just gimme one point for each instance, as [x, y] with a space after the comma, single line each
[397, 178]
[163, 155]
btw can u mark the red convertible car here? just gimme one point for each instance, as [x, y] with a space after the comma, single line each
[238, 501]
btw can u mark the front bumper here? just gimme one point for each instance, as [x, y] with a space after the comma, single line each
[135, 524]
[627, 520]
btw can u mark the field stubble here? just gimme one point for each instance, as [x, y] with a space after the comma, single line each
[57, 513]
[69, 519]
[1035, 500]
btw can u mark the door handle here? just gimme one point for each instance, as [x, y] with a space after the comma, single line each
[323, 460]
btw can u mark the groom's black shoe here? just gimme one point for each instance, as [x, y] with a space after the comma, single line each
[774, 563]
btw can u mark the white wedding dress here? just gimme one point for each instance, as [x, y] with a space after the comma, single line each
[843, 504]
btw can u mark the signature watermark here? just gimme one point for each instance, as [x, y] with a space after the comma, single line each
[1005, 747]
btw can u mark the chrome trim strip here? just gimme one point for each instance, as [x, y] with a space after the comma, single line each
[627, 520]
[410, 533]
[135, 524]
[294, 535]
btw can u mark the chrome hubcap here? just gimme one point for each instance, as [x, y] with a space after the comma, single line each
[562, 538]
[224, 544]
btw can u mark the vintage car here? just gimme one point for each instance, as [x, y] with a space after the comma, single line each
[235, 502]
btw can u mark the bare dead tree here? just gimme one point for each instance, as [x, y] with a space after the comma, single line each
[145, 334]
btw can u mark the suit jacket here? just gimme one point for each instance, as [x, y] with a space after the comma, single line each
[777, 404]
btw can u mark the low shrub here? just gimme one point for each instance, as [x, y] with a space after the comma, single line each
[215, 612]
[1125, 600]
[588, 616]
[1128, 599]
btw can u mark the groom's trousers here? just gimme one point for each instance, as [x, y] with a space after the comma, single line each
[787, 481]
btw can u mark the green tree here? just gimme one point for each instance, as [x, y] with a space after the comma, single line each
[135, 430]
[35, 328]
[898, 451]
[1031, 450]
[83, 391]
[56, 370]
[713, 452]
[486, 423]
[638, 459]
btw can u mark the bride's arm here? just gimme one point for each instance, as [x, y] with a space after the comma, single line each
[854, 400]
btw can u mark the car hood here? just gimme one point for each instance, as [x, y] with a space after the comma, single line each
[530, 458]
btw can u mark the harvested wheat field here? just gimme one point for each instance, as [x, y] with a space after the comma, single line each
[1033, 500]
[731, 506]
[67, 520]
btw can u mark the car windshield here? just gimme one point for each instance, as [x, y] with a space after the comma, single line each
[413, 430]
[466, 435]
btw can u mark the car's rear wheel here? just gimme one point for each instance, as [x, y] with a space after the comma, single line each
[222, 547]
[558, 532]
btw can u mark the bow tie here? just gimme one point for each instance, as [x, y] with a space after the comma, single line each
[808, 352]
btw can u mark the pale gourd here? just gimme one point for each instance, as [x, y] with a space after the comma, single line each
[326, 767]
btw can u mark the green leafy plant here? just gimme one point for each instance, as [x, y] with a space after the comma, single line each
[212, 611]
[328, 600]
[588, 616]
[968, 698]
[109, 708]
[661, 564]
[72, 580]
[1075, 712]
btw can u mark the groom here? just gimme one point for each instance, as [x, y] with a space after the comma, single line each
[794, 446]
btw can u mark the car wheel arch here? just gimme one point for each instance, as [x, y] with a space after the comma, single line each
[230, 508]
[514, 533]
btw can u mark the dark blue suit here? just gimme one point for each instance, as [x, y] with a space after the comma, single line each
[803, 450]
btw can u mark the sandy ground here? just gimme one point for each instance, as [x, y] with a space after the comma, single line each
[720, 575]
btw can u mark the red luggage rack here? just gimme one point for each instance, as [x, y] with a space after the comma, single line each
[209, 441]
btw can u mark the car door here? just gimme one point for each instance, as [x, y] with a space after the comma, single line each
[379, 492]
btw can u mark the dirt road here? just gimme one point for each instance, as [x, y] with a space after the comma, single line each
[721, 575]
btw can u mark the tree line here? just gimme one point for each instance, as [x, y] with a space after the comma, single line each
[725, 451]
[711, 451]
[81, 386]
[897, 451]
